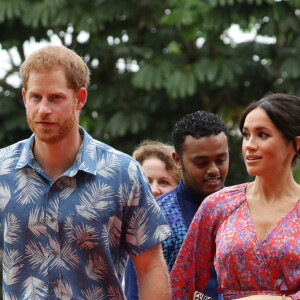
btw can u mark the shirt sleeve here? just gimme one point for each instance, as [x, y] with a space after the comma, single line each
[144, 223]
[192, 267]
[131, 282]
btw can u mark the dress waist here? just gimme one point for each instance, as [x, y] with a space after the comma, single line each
[227, 295]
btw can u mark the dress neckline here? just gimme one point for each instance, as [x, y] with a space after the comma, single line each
[275, 228]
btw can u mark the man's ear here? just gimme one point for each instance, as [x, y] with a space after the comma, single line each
[177, 160]
[24, 96]
[81, 98]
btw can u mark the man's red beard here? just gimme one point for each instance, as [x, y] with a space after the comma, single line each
[56, 131]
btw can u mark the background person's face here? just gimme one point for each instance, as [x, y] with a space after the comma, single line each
[204, 163]
[161, 180]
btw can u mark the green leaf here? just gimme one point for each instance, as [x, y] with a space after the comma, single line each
[200, 69]
[291, 67]
[212, 71]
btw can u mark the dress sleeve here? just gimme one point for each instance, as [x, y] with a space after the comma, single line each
[295, 296]
[191, 269]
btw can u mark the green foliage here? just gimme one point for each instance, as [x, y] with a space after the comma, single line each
[154, 61]
[11, 9]
[296, 173]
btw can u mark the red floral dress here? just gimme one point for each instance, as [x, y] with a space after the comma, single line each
[223, 229]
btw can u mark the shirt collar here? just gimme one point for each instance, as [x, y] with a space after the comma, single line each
[85, 160]
[189, 195]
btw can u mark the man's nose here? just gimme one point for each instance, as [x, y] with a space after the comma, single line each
[44, 107]
[213, 169]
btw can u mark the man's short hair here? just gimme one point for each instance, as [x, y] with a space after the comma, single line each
[51, 57]
[197, 124]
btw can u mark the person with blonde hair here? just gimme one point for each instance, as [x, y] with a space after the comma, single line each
[73, 209]
[159, 165]
[163, 174]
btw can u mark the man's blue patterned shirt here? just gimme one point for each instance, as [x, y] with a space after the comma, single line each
[70, 238]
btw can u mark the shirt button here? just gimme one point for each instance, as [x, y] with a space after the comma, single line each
[54, 252]
[52, 220]
[54, 187]
[54, 284]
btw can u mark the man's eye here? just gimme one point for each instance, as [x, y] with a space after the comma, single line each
[221, 161]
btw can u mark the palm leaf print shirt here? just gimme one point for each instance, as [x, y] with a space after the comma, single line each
[223, 232]
[70, 238]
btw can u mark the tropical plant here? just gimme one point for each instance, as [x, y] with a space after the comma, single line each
[154, 61]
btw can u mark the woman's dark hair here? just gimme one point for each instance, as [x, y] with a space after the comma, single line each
[284, 112]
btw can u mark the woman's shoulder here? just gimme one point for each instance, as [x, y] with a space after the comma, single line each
[228, 198]
[233, 190]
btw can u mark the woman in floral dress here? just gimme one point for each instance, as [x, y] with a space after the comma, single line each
[251, 231]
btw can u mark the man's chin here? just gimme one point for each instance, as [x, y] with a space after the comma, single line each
[49, 138]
